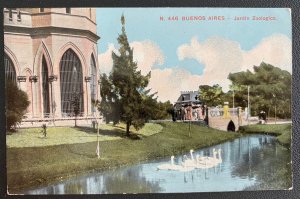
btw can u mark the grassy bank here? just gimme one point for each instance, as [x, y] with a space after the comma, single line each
[282, 131]
[32, 166]
[32, 137]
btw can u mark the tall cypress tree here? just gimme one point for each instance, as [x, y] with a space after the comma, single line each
[128, 84]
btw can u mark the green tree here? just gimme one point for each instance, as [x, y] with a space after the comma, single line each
[16, 105]
[125, 94]
[211, 95]
[75, 102]
[270, 87]
[153, 109]
[109, 105]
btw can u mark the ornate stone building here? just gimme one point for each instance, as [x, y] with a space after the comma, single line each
[51, 53]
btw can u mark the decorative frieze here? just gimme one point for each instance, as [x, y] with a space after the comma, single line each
[21, 78]
[33, 78]
[52, 78]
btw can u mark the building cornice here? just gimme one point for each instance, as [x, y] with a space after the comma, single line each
[64, 14]
[50, 30]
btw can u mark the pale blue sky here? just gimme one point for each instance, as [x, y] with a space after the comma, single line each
[144, 24]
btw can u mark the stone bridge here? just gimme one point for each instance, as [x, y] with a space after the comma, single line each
[230, 121]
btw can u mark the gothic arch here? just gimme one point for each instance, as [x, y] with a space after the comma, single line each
[56, 71]
[94, 53]
[77, 51]
[231, 126]
[41, 60]
[13, 58]
[71, 82]
[42, 51]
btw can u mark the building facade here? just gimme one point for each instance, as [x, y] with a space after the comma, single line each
[51, 54]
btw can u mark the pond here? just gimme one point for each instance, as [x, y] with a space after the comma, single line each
[248, 163]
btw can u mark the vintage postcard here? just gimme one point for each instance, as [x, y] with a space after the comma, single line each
[147, 100]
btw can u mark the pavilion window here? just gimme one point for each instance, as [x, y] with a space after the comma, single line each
[45, 88]
[10, 14]
[10, 72]
[68, 10]
[19, 15]
[93, 83]
[71, 82]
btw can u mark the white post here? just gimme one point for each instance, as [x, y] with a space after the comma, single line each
[248, 104]
[233, 97]
[98, 147]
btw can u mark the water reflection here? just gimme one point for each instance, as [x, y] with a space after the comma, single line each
[249, 162]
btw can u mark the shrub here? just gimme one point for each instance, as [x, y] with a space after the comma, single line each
[16, 105]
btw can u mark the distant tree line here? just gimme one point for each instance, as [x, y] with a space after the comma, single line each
[270, 87]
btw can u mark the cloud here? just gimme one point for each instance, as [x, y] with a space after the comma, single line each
[169, 82]
[104, 59]
[275, 50]
[147, 54]
[221, 56]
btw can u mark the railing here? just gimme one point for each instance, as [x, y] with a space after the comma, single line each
[218, 112]
[65, 116]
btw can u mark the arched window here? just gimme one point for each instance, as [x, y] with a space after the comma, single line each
[10, 14]
[71, 82]
[93, 82]
[68, 10]
[45, 88]
[10, 72]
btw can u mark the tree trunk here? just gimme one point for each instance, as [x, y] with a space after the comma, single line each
[127, 128]
[75, 121]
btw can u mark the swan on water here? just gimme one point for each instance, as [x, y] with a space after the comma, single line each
[173, 166]
[189, 162]
[209, 162]
[202, 158]
[166, 166]
[219, 156]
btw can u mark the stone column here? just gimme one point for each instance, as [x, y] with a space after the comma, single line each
[87, 95]
[33, 79]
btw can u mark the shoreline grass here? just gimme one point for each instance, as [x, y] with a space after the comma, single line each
[283, 132]
[32, 137]
[35, 166]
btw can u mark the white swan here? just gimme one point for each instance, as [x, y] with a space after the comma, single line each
[204, 163]
[189, 162]
[173, 166]
[202, 158]
[209, 162]
[166, 166]
[219, 160]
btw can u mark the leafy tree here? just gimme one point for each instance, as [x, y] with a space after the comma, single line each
[16, 105]
[239, 93]
[211, 95]
[153, 109]
[269, 87]
[109, 105]
[124, 97]
[75, 102]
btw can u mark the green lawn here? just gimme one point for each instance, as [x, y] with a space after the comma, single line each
[282, 131]
[32, 137]
[32, 166]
